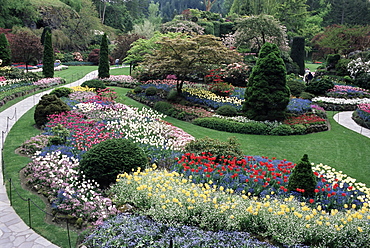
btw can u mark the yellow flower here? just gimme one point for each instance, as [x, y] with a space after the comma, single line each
[232, 216]
[360, 229]
[308, 225]
[164, 206]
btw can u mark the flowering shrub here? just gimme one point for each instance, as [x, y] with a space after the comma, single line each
[125, 80]
[57, 176]
[34, 144]
[170, 197]
[348, 92]
[221, 88]
[48, 82]
[358, 66]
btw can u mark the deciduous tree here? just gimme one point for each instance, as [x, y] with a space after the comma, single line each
[26, 47]
[254, 31]
[184, 57]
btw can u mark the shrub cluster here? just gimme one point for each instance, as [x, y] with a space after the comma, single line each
[252, 127]
[94, 83]
[48, 105]
[104, 161]
[61, 92]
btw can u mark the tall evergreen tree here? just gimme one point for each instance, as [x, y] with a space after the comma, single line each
[297, 53]
[5, 54]
[267, 94]
[48, 56]
[103, 69]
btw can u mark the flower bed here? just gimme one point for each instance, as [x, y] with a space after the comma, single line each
[171, 197]
[87, 124]
[362, 115]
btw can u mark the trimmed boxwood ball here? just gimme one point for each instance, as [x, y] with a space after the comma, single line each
[104, 161]
[61, 92]
[48, 105]
[303, 178]
[94, 83]
[151, 91]
[227, 110]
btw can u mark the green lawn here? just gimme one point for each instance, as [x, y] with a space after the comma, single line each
[340, 148]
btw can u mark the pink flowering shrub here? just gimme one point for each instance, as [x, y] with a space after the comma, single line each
[58, 177]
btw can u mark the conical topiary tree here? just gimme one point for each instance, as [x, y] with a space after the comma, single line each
[297, 53]
[103, 69]
[48, 57]
[5, 53]
[267, 94]
[302, 178]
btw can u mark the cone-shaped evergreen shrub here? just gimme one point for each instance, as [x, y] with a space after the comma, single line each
[267, 94]
[48, 58]
[104, 161]
[49, 104]
[297, 53]
[302, 177]
[103, 69]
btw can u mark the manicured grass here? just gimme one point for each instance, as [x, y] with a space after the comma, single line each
[340, 148]
[312, 66]
[74, 73]
[120, 71]
[22, 130]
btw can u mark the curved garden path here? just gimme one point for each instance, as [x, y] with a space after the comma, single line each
[13, 231]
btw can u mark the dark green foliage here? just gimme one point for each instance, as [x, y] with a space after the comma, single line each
[49, 104]
[151, 91]
[103, 69]
[208, 27]
[319, 86]
[297, 53]
[94, 83]
[163, 107]
[48, 58]
[267, 94]
[341, 67]
[216, 27]
[227, 110]
[138, 89]
[226, 28]
[296, 85]
[61, 92]
[173, 96]
[306, 95]
[229, 149]
[5, 54]
[282, 130]
[363, 80]
[104, 161]
[302, 177]
[232, 126]
[332, 60]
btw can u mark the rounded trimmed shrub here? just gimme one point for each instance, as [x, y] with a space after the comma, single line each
[296, 86]
[227, 110]
[138, 89]
[163, 107]
[151, 91]
[48, 105]
[61, 92]
[94, 83]
[302, 178]
[319, 86]
[173, 96]
[104, 161]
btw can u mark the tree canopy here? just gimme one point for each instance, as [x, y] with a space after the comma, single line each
[185, 56]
